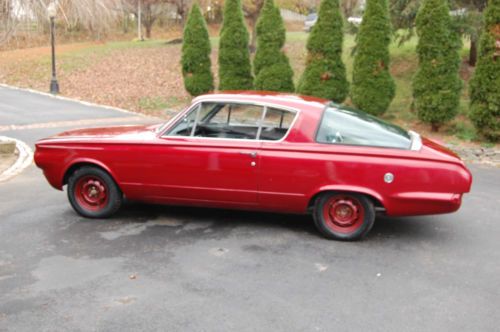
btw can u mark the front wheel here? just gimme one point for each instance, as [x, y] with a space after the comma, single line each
[93, 193]
[344, 216]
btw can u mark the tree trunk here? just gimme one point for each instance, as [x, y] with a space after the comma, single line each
[473, 52]
[148, 19]
[125, 22]
[435, 127]
[149, 27]
[253, 37]
[181, 13]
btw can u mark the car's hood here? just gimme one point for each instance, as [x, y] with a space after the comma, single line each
[119, 133]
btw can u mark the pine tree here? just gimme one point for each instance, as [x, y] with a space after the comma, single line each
[235, 71]
[325, 74]
[196, 64]
[271, 66]
[372, 85]
[436, 85]
[485, 84]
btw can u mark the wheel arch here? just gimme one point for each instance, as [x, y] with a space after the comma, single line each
[375, 197]
[70, 169]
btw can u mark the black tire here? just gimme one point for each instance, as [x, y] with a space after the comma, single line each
[344, 216]
[92, 178]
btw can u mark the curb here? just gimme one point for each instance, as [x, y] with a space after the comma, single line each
[81, 102]
[23, 160]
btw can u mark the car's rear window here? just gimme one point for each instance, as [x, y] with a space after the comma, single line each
[343, 125]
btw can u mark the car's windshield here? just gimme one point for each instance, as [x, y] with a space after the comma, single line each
[343, 125]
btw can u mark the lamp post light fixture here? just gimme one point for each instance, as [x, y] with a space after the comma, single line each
[51, 12]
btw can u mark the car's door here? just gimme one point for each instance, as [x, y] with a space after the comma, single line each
[211, 154]
[281, 168]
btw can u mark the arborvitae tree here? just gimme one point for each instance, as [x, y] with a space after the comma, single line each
[436, 85]
[271, 66]
[325, 74]
[485, 85]
[235, 70]
[196, 64]
[372, 85]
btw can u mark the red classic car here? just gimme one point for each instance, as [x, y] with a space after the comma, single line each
[260, 151]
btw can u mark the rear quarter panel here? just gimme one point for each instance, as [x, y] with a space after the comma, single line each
[291, 175]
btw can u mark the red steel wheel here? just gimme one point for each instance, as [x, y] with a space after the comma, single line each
[93, 193]
[344, 216]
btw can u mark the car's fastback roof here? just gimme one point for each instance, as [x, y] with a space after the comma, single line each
[303, 103]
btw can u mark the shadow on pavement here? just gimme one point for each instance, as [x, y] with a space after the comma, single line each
[410, 229]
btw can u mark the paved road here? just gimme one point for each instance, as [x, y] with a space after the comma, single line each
[180, 269]
[18, 107]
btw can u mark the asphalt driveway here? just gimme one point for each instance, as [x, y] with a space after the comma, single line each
[183, 269]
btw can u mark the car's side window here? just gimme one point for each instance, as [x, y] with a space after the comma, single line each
[276, 124]
[185, 126]
[245, 115]
[234, 121]
[346, 126]
[228, 120]
[220, 115]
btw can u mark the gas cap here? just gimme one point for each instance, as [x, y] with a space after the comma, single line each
[388, 177]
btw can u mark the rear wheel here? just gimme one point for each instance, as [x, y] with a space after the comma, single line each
[344, 216]
[93, 193]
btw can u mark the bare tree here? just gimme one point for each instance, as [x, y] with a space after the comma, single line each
[252, 10]
[7, 23]
[96, 16]
[153, 10]
[300, 6]
[348, 7]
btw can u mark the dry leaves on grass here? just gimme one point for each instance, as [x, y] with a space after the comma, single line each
[144, 80]
[127, 77]
[139, 79]
[30, 68]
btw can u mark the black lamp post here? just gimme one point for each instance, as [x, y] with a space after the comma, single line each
[52, 11]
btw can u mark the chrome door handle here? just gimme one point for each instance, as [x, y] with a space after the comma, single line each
[251, 154]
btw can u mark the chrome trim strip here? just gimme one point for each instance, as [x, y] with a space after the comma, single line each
[258, 103]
